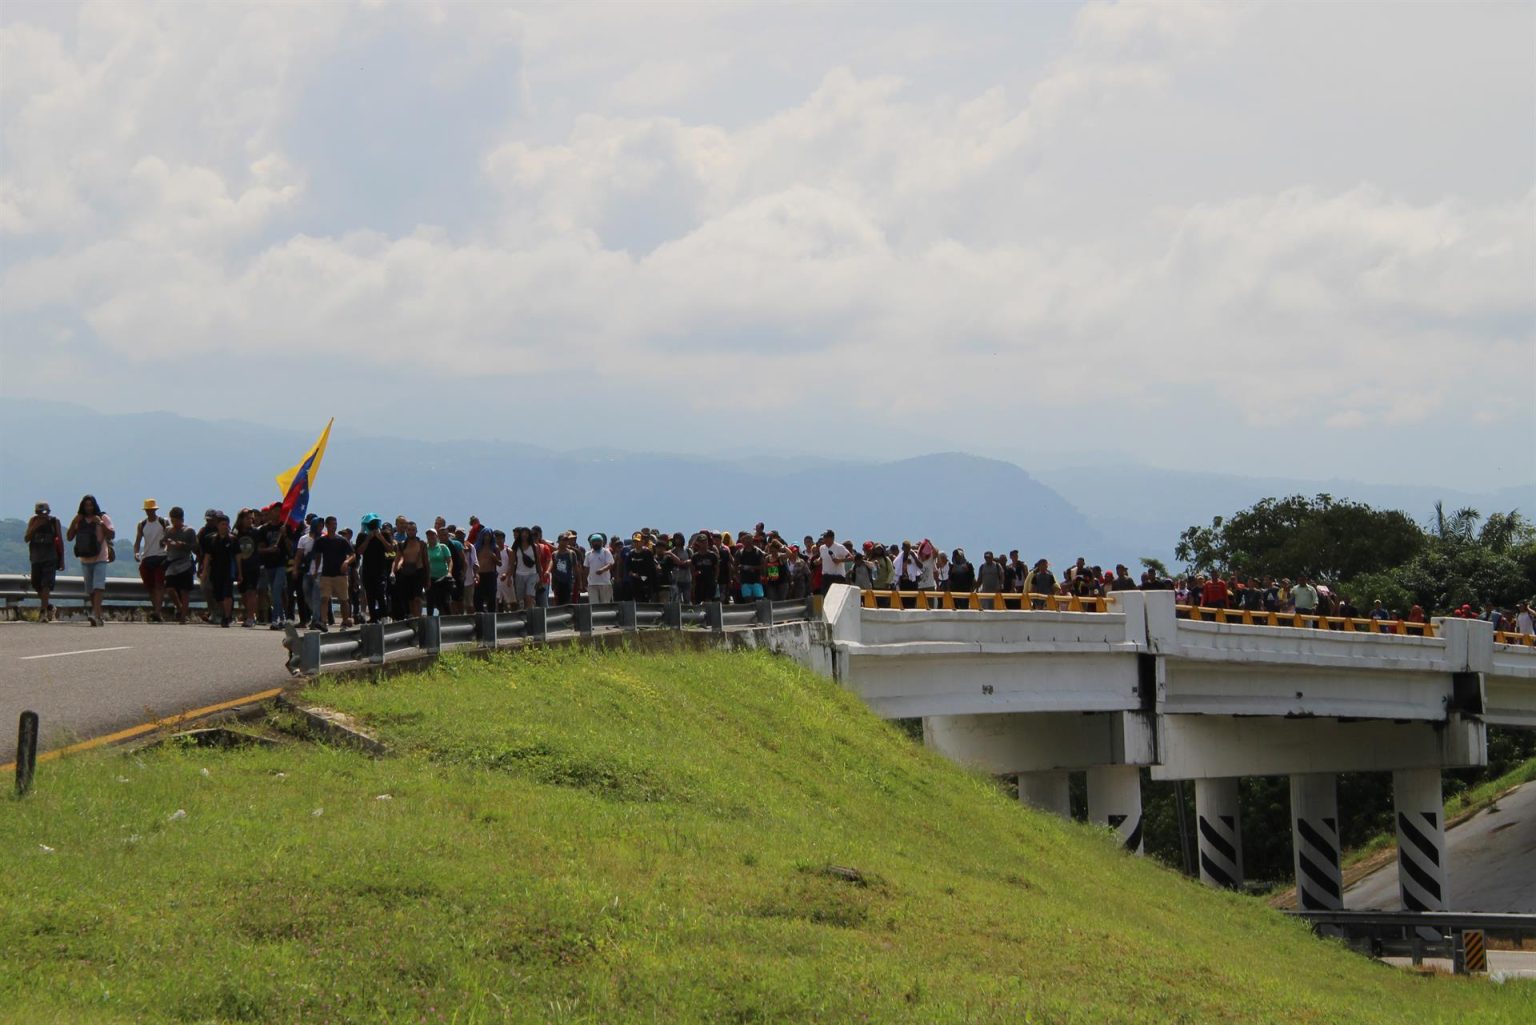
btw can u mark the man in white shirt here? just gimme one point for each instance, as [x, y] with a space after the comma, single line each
[834, 561]
[599, 563]
[1525, 622]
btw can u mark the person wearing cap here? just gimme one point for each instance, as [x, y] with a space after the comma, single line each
[149, 552]
[599, 566]
[44, 538]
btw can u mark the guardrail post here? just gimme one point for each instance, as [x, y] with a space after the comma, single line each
[538, 624]
[485, 629]
[627, 621]
[429, 634]
[764, 612]
[26, 752]
[373, 642]
[714, 615]
[309, 652]
[584, 619]
[672, 615]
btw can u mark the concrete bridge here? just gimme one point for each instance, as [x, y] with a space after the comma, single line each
[1040, 693]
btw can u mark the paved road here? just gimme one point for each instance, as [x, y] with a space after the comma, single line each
[84, 681]
[1491, 866]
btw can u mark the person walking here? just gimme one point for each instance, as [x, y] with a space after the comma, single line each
[92, 533]
[180, 546]
[440, 570]
[45, 551]
[149, 552]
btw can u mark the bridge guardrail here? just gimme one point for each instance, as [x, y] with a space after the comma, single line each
[1307, 620]
[1415, 934]
[982, 602]
[315, 652]
[16, 589]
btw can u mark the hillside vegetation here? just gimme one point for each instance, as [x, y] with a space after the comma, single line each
[623, 837]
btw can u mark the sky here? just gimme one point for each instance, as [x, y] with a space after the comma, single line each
[1278, 239]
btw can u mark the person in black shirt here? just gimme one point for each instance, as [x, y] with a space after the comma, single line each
[706, 570]
[640, 564]
[219, 555]
[376, 549]
[962, 575]
[273, 548]
[750, 563]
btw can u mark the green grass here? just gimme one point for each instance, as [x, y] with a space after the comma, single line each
[580, 837]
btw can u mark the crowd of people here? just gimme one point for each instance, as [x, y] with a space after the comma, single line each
[260, 568]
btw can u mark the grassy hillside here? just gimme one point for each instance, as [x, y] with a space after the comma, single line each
[576, 837]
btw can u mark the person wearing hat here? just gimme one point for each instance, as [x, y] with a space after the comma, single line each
[149, 551]
[45, 551]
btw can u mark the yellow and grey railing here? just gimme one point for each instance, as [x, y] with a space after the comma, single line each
[983, 602]
[1309, 620]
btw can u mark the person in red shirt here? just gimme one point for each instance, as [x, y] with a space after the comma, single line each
[1214, 594]
[545, 556]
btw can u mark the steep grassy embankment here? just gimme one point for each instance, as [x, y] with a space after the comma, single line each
[581, 837]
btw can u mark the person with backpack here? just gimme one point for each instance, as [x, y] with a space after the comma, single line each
[45, 550]
[149, 550]
[92, 533]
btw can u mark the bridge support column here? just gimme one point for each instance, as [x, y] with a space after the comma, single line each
[1420, 839]
[1220, 829]
[1315, 841]
[1114, 799]
[1048, 791]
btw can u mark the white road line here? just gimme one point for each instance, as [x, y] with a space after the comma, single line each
[84, 651]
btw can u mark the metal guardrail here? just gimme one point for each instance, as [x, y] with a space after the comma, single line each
[375, 643]
[1309, 620]
[977, 601]
[1415, 934]
[16, 589]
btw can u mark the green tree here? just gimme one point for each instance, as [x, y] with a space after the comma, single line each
[1320, 537]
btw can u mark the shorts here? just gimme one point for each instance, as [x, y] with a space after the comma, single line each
[251, 572]
[219, 584]
[525, 585]
[94, 576]
[181, 582]
[407, 584]
[152, 571]
[44, 577]
[334, 587]
[749, 591]
[600, 594]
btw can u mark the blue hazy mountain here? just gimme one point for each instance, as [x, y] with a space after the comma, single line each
[59, 452]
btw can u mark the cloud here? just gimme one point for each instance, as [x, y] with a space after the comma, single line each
[1092, 239]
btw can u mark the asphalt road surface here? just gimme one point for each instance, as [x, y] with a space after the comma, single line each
[85, 681]
[1491, 862]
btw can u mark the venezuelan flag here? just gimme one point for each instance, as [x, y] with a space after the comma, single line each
[295, 483]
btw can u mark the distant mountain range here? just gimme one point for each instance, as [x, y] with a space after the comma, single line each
[58, 452]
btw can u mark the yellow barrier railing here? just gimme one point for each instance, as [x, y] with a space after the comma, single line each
[1311, 621]
[976, 602]
[1510, 637]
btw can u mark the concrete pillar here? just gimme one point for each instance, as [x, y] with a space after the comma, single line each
[1114, 800]
[1420, 839]
[1315, 841]
[1220, 832]
[1048, 791]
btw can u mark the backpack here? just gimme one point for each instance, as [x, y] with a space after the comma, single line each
[88, 541]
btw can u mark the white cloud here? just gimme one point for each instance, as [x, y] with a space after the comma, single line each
[1093, 235]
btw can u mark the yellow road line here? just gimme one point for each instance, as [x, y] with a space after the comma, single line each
[148, 727]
